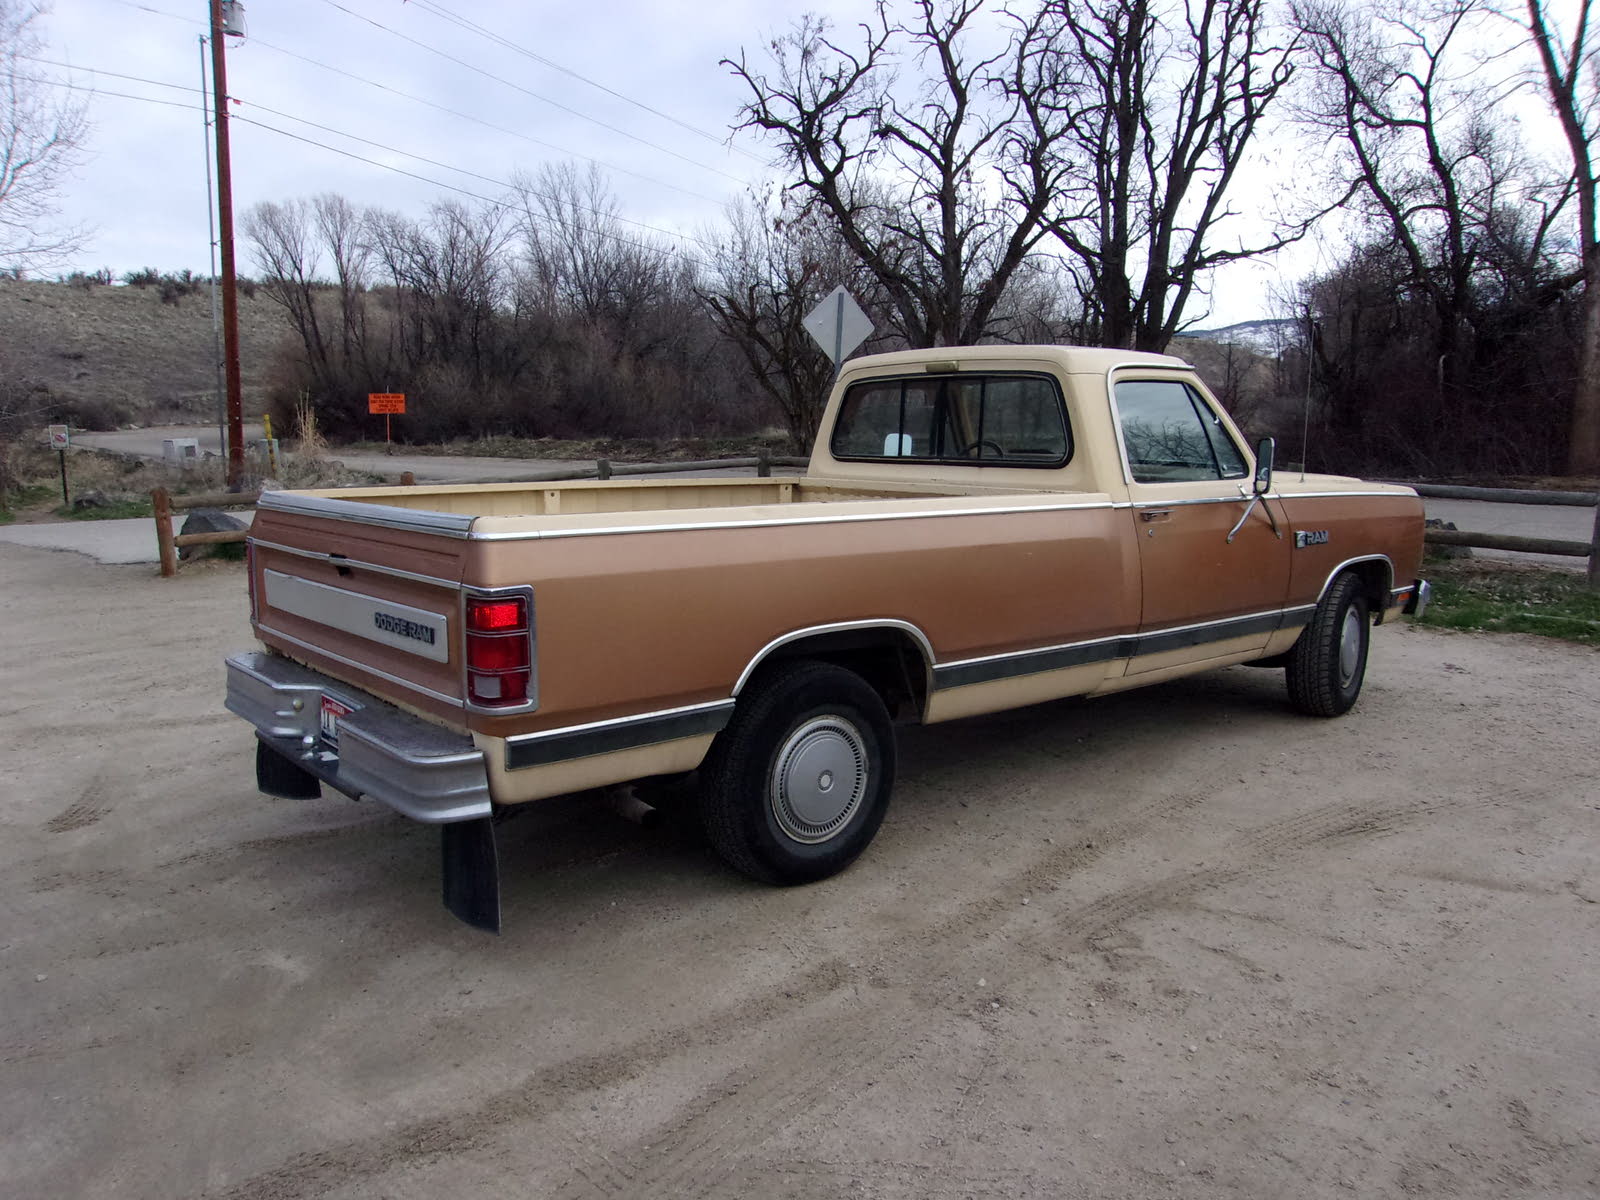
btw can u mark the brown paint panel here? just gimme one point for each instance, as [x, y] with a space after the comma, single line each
[1357, 527]
[623, 631]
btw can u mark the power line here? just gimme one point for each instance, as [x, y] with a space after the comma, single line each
[439, 183]
[50, 62]
[490, 200]
[255, 41]
[432, 162]
[146, 8]
[461, 62]
[464, 171]
[500, 40]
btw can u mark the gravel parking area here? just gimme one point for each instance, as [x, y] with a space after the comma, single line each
[1174, 942]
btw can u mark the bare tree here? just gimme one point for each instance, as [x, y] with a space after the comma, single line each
[1411, 113]
[1572, 85]
[767, 274]
[1154, 105]
[41, 138]
[938, 186]
[288, 259]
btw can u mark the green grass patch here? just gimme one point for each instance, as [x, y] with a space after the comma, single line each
[1501, 597]
[112, 510]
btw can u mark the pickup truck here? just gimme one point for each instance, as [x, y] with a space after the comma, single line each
[978, 528]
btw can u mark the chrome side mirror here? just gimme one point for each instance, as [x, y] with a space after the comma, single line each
[1266, 450]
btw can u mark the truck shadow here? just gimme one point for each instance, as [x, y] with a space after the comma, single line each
[570, 855]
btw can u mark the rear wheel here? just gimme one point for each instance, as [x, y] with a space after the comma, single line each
[1329, 663]
[796, 786]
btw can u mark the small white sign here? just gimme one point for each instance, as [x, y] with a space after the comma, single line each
[838, 324]
[60, 437]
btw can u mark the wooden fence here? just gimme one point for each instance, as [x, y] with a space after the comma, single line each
[1510, 541]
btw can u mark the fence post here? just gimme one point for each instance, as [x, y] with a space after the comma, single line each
[763, 462]
[1594, 551]
[161, 502]
[407, 479]
[602, 468]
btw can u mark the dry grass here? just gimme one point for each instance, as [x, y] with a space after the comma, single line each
[121, 352]
[124, 482]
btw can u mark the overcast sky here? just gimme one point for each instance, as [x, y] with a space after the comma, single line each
[142, 191]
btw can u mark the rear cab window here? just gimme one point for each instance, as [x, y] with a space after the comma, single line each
[998, 419]
[1171, 435]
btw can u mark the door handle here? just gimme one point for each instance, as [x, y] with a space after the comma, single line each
[1155, 514]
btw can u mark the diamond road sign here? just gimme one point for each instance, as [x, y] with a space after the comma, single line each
[838, 324]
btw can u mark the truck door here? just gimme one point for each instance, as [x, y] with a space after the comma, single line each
[1211, 586]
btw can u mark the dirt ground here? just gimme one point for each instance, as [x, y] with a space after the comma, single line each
[1176, 942]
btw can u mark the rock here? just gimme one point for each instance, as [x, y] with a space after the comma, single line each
[207, 520]
[1446, 551]
[87, 500]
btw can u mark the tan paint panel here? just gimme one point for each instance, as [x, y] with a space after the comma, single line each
[1176, 666]
[579, 774]
[951, 704]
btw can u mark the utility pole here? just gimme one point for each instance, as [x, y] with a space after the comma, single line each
[230, 291]
[211, 235]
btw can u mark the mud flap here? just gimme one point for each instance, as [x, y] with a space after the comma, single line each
[471, 871]
[277, 776]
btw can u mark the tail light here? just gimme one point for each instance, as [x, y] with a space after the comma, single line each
[499, 650]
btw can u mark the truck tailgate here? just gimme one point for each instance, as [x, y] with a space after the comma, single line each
[370, 598]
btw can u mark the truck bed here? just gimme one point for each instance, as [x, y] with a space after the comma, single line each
[573, 497]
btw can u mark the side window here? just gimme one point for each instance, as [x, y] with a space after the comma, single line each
[1171, 435]
[972, 420]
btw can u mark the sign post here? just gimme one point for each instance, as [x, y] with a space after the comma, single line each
[387, 403]
[60, 439]
[838, 325]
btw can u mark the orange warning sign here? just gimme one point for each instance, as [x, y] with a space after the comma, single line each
[386, 402]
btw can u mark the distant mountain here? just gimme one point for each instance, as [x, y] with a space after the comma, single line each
[1269, 337]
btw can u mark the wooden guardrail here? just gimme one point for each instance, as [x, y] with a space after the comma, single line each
[1509, 541]
[164, 503]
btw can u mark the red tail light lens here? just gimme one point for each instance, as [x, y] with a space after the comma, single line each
[497, 616]
[506, 653]
[499, 650]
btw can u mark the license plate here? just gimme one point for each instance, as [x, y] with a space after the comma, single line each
[332, 710]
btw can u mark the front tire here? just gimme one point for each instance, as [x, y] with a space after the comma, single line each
[1329, 663]
[797, 785]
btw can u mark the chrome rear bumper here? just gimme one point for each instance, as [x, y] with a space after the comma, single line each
[1417, 604]
[418, 769]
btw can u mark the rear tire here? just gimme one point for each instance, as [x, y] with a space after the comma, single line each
[1329, 663]
[795, 787]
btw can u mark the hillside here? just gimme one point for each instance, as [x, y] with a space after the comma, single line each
[122, 352]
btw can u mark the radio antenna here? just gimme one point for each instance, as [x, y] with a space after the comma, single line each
[1305, 413]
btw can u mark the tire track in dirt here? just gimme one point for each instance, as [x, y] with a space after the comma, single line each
[88, 808]
[828, 1055]
[831, 1060]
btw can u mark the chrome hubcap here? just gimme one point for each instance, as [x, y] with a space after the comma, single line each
[1349, 646]
[819, 779]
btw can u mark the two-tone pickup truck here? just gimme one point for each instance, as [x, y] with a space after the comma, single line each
[979, 528]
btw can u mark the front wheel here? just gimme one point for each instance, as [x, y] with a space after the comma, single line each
[796, 786]
[1328, 664]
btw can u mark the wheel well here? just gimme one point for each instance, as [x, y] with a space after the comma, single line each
[1375, 583]
[888, 659]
